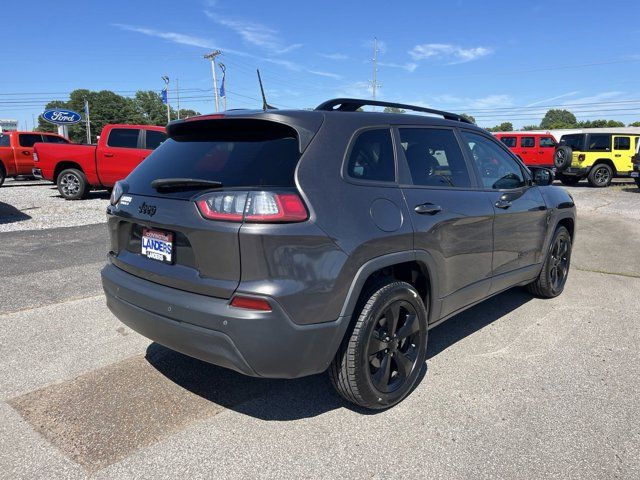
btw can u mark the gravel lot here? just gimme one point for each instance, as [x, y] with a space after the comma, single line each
[516, 387]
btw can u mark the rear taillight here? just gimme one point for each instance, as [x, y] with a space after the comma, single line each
[35, 156]
[258, 207]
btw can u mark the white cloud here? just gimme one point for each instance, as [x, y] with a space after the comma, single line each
[289, 65]
[470, 103]
[551, 99]
[174, 37]
[334, 56]
[454, 53]
[409, 66]
[325, 74]
[255, 34]
[597, 98]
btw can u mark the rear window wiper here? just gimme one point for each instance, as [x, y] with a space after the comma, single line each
[183, 183]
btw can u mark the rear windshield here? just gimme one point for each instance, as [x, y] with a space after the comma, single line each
[250, 154]
[574, 141]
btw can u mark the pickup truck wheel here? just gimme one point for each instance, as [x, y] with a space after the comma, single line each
[380, 361]
[600, 175]
[551, 281]
[72, 184]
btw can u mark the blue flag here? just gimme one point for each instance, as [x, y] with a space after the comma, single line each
[164, 96]
[224, 76]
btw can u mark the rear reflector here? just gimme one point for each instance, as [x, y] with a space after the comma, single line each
[251, 303]
[259, 207]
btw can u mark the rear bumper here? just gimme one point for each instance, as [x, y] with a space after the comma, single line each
[36, 172]
[265, 344]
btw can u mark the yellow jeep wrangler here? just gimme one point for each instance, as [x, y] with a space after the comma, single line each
[599, 157]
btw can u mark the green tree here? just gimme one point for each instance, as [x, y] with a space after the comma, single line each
[503, 127]
[393, 110]
[530, 127]
[634, 124]
[468, 117]
[558, 118]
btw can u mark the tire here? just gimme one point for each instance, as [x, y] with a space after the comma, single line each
[562, 157]
[553, 276]
[72, 184]
[569, 180]
[366, 370]
[600, 175]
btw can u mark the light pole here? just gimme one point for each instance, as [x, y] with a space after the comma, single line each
[165, 78]
[212, 56]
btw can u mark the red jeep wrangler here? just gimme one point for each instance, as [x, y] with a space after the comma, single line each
[76, 169]
[534, 149]
[16, 151]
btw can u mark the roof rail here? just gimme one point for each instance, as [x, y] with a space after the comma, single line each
[353, 104]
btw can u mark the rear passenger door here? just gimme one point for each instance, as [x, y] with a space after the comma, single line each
[546, 149]
[119, 155]
[528, 150]
[452, 219]
[520, 211]
[24, 152]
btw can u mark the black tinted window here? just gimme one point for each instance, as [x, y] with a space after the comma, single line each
[4, 141]
[498, 170]
[251, 153]
[154, 139]
[622, 143]
[123, 137]
[527, 142]
[371, 157]
[29, 139]
[509, 141]
[576, 142]
[434, 157]
[599, 142]
[54, 139]
[546, 142]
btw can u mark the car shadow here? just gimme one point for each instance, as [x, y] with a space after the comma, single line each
[282, 400]
[631, 189]
[92, 195]
[10, 214]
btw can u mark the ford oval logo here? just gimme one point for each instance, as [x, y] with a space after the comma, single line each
[61, 116]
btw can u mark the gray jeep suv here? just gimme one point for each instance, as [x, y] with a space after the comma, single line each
[285, 243]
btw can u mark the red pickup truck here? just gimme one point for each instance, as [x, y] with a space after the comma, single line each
[77, 169]
[16, 151]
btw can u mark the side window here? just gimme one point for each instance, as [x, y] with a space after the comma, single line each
[547, 142]
[371, 157]
[509, 141]
[600, 142]
[434, 157]
[54, 139]
[5, 141]
[29, 139]
[622, 143]
[123, 137]
[527, 142]
[154, 139]
[496, 167]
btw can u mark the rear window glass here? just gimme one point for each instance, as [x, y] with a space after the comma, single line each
[29, 139]
[527, 142]
[4, 140]
[238, 154]
[574, 141]
[599, 142]
[622, 143]
[54, 139]
[509, 141]
[123, 137]
[371, 157]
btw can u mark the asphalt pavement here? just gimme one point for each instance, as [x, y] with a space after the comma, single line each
[516, 387]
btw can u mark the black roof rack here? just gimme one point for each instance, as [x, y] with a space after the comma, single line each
[353, 104]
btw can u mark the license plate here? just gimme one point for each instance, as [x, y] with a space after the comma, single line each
[635, 174]
[157, 245]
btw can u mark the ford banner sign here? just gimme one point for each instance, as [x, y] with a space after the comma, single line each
[61, 117]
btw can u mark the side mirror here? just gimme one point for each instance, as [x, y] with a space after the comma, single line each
[542, 176]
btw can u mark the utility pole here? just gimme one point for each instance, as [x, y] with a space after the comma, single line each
[374, 83]
[178, 97]
[86, 118]
[165, 78]
[212, 56]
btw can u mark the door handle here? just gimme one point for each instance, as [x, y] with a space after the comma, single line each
[617, 155]
[503, 202]
[428, 209]
[108, 155]
[26, 152]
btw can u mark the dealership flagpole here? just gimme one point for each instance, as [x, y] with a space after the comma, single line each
[86, 118]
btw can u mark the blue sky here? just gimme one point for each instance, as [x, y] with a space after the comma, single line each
[499, 61]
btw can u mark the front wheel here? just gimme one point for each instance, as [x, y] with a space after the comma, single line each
[551, 281]
[72, 184]
[380, 362]
[600, 175]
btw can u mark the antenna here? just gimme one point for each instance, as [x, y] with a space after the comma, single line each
[265, 105]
